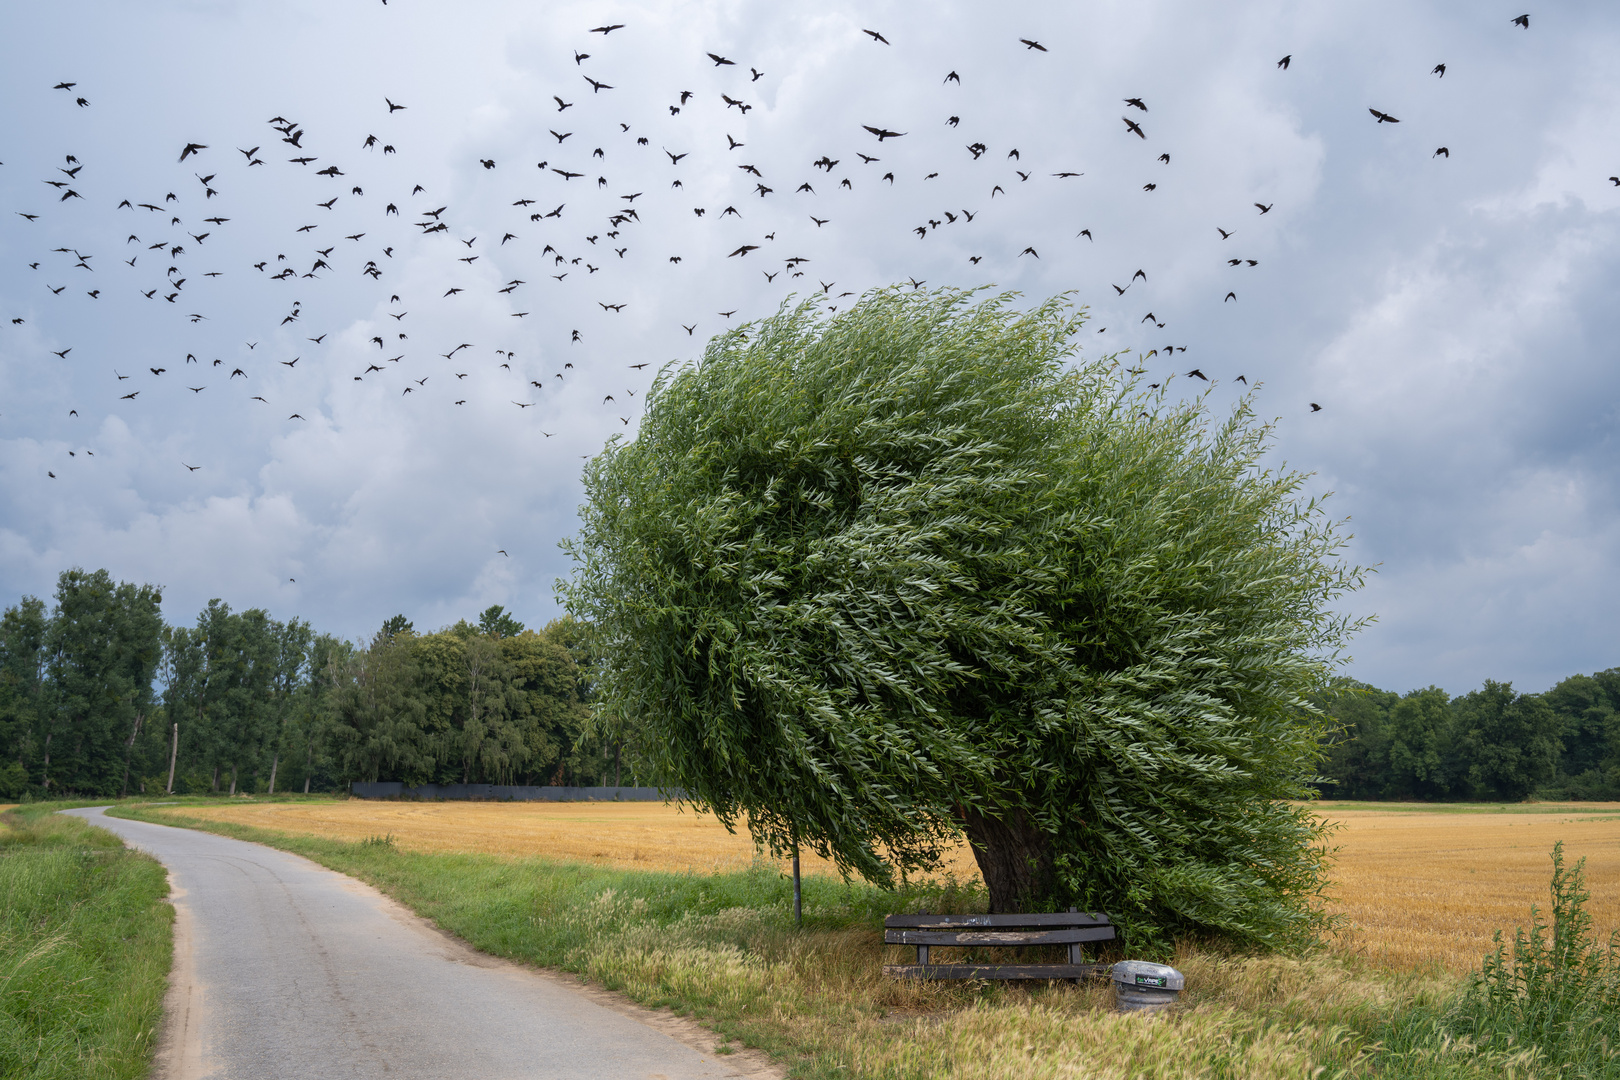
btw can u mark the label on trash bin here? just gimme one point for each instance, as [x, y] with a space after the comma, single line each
[1152, 980]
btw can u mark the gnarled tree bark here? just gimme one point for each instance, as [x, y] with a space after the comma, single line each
[1014, 857]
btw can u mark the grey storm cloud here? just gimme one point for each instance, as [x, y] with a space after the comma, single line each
[1452, 314]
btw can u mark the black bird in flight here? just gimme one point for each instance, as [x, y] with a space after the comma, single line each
[1440, 70]
[1263, 208]
[595, 86]
[1442, 152]
[875, 36]
[718, 60]
[1136, 102]
[1285, 61]
[1383, 118]
[1522, 20]
[191, 148]
[883, 133]
[606, 30]
[1028, 44]
[954, 77]
[1314, 406]
[1133, 127]
[392, 108]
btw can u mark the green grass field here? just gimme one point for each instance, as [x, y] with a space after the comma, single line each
[84, 950]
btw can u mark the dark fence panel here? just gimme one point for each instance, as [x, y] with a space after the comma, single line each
[393, 789]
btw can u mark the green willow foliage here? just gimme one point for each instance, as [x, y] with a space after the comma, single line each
[874, 580]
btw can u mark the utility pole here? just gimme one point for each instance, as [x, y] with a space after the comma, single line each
[174, 749]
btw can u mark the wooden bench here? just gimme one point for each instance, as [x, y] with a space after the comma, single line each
[1071, 928]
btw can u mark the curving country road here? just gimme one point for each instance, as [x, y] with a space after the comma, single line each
[286, 969]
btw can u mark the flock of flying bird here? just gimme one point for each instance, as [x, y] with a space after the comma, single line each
[568, 225]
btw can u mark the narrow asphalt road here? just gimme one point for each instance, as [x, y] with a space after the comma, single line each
[286, 969]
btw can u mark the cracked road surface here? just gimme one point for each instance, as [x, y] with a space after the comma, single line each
[283, 968]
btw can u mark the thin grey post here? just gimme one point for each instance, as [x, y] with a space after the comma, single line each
[174, 749]
[798, 899]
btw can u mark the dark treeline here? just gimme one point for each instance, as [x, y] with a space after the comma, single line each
[1489, 744]
[100, 697]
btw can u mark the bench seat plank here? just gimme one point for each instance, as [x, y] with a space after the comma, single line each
[988, 922]
[965, 938]
[993, 971]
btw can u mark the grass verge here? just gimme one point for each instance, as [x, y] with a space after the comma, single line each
[85, 943]
[722, 948]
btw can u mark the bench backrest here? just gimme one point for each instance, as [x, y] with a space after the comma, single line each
[1045, 920]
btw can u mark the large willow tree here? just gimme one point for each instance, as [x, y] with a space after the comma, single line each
[871, 582]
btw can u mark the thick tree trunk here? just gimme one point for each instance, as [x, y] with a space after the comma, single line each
[233, 779]
[1014, 857]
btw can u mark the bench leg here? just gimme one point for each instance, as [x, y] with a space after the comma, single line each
[922, 954]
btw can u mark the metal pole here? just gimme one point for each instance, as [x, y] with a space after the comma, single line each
[798, 898]
[174, 749]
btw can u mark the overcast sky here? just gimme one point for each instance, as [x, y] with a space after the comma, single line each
[1454, 314]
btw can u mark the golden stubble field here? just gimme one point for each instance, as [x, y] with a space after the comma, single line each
[1417, 885]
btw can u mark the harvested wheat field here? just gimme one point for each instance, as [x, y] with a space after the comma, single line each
[1419, 885]
[634, 835]
[1422, 885]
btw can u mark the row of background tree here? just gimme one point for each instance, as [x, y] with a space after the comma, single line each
[98, 694]
[1488, 744]
[91, 691]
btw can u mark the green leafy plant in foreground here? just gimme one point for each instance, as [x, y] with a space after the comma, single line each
[1561, 995]
[1547, 1006]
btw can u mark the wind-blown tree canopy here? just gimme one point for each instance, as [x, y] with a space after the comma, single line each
[873, 581]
